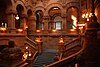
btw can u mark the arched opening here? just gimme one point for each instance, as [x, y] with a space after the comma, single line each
[18, 21]
[29, 12]
[28, 23]
[55, 21]
[39, 20]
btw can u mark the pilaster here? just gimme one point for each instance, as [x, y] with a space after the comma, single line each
[31, 24]
[23, 21]
[45, 20]
[11, 20]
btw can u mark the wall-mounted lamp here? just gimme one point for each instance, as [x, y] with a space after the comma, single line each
[17, 17]
[61, 47]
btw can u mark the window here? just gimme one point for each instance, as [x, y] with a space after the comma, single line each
[57, 25]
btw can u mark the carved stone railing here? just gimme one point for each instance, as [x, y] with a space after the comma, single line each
[31, 51]
[63, 60]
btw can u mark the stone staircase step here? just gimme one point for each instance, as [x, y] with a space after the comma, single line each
[45, 58]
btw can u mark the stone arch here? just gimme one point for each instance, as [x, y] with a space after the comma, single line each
[97, 13]
[22, 13]
[39, 8]
[53, 5]
[23, 5]
[39, 19]
[29, 8]
[72, 4]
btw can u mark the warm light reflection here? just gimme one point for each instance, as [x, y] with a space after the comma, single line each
[74, 21]
[3, 29]
[38, 31]
[72, 29]
[26, 26]
[76, 65]
[20, 30]
[81, 24]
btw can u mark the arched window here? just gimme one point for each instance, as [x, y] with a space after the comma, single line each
[55, 18]
[39, 20]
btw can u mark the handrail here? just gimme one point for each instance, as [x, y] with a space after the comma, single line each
[31, 40]
[33, 50]
[70, 47]
[95, 29]
[64, 59]
[66, 44]
[31, 45]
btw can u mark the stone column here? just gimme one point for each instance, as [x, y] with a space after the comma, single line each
[64, 23]
[64, 20]
[11, 20]
[45, 21]
[23, 21]
[31, 25]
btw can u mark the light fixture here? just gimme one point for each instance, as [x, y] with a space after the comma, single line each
[38, 31]
[38, 40]
[55, 8]
[61, 41]
[54, 30]
[17, 17]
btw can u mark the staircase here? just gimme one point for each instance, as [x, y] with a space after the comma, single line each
[45, 58]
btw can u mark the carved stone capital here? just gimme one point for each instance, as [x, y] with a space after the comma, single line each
[11, 11]
[24, 16]
[45, 17]
[32, 18]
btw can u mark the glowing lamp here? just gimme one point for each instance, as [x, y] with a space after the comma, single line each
[20, 30]
[17, 17]
[29, 54]
[61, 41]
[38, 31]
[26, 47]
[25, 56]
[38, 40]
[3, 29]
[54, 30]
